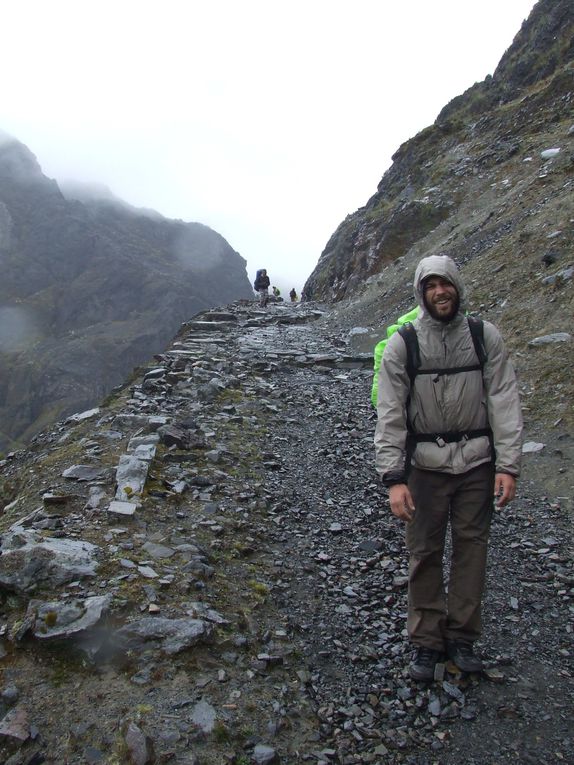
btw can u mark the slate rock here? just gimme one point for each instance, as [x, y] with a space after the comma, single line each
[155, 374]
[138, 745]
[531, 447]
[145, 452]
[28, 560]
[565, 275]
[202, 610]
[204, 716]
[96, 496]
[469, 712]
[158, 551]
[173, 635]
[171, 435]
[131, 475]
[265, 755]
[453, 691]
[147, 572]
[556, 337]
[62, 619]
[370, 546]
[81, 416]
[151, 439]
[93, 756]
[210, 390]
[84, 473]
[127, 509]
[434, 707]
[15, 725]
[10, 694]
[199, 568]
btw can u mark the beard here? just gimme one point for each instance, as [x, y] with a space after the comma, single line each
[447, 316]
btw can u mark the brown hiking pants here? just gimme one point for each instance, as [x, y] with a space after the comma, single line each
[467, 502]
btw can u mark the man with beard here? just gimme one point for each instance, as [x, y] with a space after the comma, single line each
[448, 438]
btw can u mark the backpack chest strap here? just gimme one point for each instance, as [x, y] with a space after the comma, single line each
[439, 371]
[451, 437]
[409, 335]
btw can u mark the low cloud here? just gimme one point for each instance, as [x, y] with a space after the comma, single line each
[17, 329]
[199, 249]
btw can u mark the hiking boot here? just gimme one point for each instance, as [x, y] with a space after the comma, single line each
[422, 666]
[462, 655]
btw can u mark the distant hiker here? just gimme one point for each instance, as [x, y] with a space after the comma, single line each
[448, 437]
[293, 295]
[261, 285]
[276, 292]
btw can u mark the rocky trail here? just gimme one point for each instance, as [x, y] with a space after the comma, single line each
[204, 570]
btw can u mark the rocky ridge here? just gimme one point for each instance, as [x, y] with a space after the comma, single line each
[483, 169]
[204, 570]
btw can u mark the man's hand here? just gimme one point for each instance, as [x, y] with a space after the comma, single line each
[402, 504]
[504, 488]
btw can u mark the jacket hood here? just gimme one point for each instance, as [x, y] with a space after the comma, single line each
[438, 265]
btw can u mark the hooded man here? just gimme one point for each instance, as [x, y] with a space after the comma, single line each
[448, 438]
[261, 285]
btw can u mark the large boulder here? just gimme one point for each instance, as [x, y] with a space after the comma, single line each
[29, 561]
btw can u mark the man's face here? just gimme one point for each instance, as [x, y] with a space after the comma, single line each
[440, 298]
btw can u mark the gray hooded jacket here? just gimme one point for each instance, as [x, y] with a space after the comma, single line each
[447, 403]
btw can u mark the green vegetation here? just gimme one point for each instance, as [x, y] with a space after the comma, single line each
[221, 733]
[258, 587]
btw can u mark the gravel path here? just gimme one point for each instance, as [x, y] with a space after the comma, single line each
[342, 584]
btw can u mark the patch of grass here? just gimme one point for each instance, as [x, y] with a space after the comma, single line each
[221, 733]
[142, 710]
[258, 587]
[60, 676]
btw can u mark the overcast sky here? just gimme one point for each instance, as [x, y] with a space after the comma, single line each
[268, 120]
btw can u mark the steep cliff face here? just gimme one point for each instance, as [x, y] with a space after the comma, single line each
[89, 289]
[481, 141]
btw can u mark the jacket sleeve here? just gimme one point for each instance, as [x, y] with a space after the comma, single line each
[391, 430]
[503, 402]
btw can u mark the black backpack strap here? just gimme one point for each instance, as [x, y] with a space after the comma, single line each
[452, 436]
[409, 335]
[476, 327]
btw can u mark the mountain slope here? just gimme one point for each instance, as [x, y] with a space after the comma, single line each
[491, 127]
[89, 289]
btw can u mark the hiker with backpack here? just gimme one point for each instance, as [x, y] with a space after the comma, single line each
[261, 285]
[448, 438]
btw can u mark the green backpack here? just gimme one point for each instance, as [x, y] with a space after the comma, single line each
[405, 328]
[381, 345]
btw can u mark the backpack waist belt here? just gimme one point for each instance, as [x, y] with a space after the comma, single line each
[451, 437]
